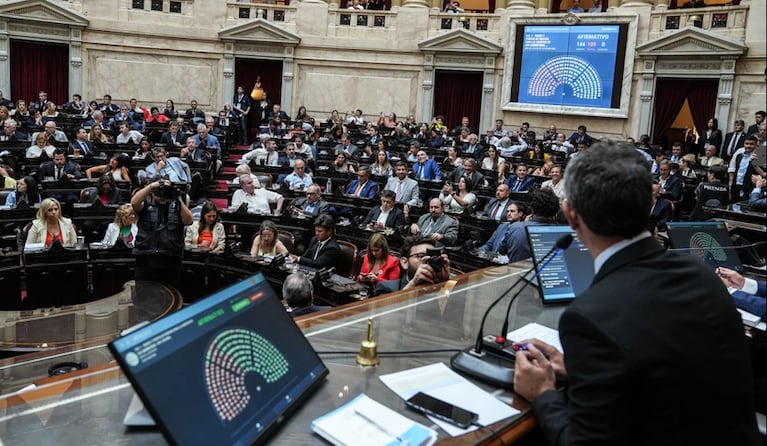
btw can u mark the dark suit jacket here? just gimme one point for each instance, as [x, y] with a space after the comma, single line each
[431, 170]
[167, 139]
[502, 212]
[395, 219]
[70, 168]
[673, 188]
[76, 145]
[320, 207]
[369, 190]
[650, 348]
[300, 311]
[726, 145]
[660, 215]
[327, 257]
[527, 183]
[477, 178]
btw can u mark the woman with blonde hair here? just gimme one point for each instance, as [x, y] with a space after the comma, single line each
[207, 233]
[687, 166]
[123, 227]
[378, 265]
[41, 147]
[267, 243]
[50, 225]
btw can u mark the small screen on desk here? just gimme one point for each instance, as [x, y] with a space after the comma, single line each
[567, 274]
[708, 240]
[224, 370]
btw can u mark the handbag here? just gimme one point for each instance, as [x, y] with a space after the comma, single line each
[257, 93]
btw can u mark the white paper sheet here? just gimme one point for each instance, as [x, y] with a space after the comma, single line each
[537, 331]
[440, 382]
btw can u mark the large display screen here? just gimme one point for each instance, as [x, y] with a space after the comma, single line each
[577, 65]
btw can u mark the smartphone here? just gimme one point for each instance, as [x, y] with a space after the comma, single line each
[442, 410]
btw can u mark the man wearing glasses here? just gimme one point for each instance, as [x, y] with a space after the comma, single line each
[312, 205]
[416, 266]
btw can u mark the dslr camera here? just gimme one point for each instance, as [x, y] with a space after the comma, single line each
[169, 192]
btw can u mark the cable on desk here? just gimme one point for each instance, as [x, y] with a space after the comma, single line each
[494, 434]
[394, 353]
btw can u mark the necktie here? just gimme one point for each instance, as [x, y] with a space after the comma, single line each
[83, 148]
[517, 183]
[309, 208]
[420, 171]
[359, 188]
[317, 252]
[495, 211]
[398, 198]
[733, 142]
[58, 173]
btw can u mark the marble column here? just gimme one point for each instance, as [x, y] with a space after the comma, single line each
[319, 1]
[5, 64]
[724, 95]
[646, 96]
[520, 4]
[287, 80]
[637, 2]
[417, 4]
[486, 117]
[228, 87]
[75, 62]
[427, 88]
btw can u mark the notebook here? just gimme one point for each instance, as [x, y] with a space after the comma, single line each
[224, 370]
[567, 274]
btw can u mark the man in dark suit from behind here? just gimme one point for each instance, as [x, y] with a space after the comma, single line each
[323, 250]
[655, 351]
[298, 292]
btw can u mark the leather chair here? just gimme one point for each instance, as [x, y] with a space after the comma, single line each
[345, 265]
[288, 239]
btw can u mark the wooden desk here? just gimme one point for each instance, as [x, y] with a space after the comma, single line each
[89, 406]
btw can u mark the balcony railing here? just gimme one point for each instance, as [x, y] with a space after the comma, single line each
[728, 20]
[278, 11]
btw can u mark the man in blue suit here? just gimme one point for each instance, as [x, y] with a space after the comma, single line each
[520, 182]
[749, 294]
[363, 187]
[426, 168]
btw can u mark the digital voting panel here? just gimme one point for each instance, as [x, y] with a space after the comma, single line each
[569, 65]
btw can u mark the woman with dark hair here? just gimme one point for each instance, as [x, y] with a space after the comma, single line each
[711, 135]
[378, 265]
[381, 167]
[458, 201]
[26, 191]
[207, 233]
[170, 109]
[98, 137]
[144, 150]
[537, 153]
[267, 243]
[304, 117]
[117, 169]
[154, 115]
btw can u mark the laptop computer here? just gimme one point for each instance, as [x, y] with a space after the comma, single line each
[567, 274]
[225, 370]
[708, 240]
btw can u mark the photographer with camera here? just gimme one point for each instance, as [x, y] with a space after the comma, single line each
[423, 262]
[162, 215]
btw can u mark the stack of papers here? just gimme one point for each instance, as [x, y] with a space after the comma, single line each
[536, 331]
[366, 421]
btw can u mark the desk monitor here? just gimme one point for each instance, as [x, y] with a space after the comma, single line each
[567, 274]
[224, 370]
[708, 240]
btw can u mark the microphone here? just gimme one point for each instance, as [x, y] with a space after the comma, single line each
[495, 369]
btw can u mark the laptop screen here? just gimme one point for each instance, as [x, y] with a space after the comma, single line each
[567, 274]
[224, 370]
[708, 240]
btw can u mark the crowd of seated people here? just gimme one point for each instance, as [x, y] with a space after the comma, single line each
[416, 178]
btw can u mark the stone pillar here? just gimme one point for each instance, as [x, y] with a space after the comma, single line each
[5, 63]
[418, 4]
[646, 95]
[724, 95]
[520, 4]
[637, 2]
[427, 88]
[287, 80]
[319, 1]
[486, 117]
[75, 63]
[228, 89]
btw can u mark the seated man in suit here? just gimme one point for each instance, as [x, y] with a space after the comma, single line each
[298, 293]
[709, 157]
[363, 186]
[52, 133]
[81, 143]
[544, 206]
[172, 168]
[323, 250]
[60, 169]
[194, 114]
[415, 267]
[473, 149]
[387, 215]
[405, 189]
[312, 205]
[436, 224]
[661, 210]
[258, 201]
[629, 322]
[10, 132]
[496, 207]
[756, 199]
[273, 130]
[671, 186]
[346, 146]
[298, 179]
[520, 182]
[515, 212]
[580, 136]
[468, 170]
[174, 137]
[426, 168]
[278, 113]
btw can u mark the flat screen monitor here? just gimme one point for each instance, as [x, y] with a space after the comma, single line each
[567, 274]
[569, 65]
[224, 370]
[708, 240]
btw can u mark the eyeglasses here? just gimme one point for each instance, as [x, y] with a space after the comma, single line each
[419, 255]
[311, 193]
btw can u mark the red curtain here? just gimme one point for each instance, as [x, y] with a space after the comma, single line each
[670, 95]
[39, 66]
[458, 94]
[270, 71]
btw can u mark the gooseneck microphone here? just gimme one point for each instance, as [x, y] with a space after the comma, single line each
[496, 369]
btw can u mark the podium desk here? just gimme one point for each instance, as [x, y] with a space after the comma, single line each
[87, 407]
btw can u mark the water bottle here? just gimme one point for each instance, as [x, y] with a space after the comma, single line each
[329, 186]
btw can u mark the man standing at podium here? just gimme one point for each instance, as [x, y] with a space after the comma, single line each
[162, 214]
[655, 351]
